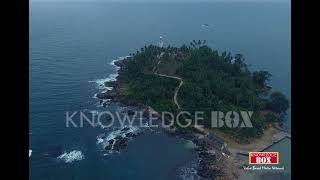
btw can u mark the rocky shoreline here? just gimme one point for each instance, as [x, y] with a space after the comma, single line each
[214, 163]
[117, 87]
[208, 167]
[118, 140]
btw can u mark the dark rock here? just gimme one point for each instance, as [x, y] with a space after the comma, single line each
[110, 83]
[117, 144]
[130, 112]
[208, 170]
[203, 154]
[139, 133]
[207, 173]
[101, 95]
[111, 141]
[106, 95]
[130, 134]
[105, 104]
[125, 129]
[108, 148]
[118, 137]
[121, 64]
[120, 144]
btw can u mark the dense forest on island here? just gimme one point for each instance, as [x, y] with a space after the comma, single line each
[213, 81]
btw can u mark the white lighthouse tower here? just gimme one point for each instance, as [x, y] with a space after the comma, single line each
[161, 42]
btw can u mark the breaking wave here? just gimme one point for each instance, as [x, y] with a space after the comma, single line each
[69, 157]
[104, 140]
[112, 77]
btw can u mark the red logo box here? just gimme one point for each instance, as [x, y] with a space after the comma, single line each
[263, 157]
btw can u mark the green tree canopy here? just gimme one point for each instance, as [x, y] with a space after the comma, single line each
[278, 102]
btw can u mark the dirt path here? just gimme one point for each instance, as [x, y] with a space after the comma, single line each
[200, 129]
[178, 88]
[168, 76]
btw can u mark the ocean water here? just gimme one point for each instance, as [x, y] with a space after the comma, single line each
[71, 47]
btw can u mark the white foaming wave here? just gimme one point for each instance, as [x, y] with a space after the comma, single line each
[99, 140]
[118, 59]
[112, 135]
[30, 152]
[71, 156]
[101, 82]
[112, 77]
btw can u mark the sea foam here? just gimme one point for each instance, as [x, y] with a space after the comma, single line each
[71, 156]
[116, 133]
[112, 77]
[103, 140]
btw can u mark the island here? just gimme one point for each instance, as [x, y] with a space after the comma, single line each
[195, 77]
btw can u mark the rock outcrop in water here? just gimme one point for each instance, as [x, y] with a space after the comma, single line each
[107, 95]
[118, 140]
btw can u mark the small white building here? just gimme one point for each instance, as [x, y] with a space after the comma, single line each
[161, 42]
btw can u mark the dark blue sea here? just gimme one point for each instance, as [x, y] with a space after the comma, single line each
[71, 47]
